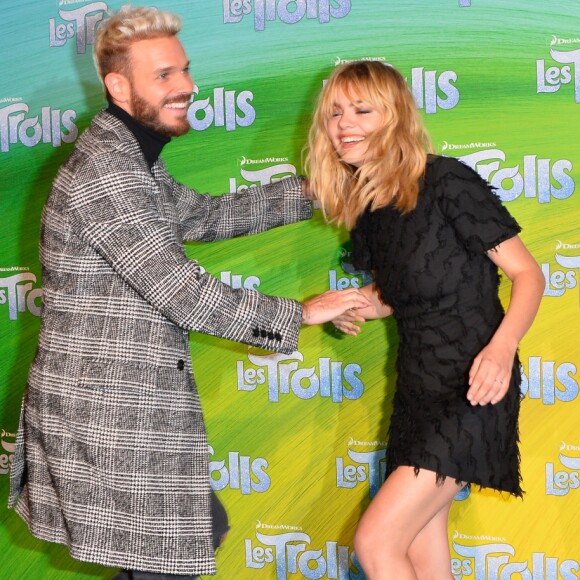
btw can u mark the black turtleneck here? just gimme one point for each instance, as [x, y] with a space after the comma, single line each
[151, 143]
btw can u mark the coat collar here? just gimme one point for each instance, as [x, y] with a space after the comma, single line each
[151, 143]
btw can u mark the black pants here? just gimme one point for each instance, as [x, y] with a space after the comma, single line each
[219, 526]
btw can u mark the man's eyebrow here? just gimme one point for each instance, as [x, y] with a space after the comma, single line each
[165, 69]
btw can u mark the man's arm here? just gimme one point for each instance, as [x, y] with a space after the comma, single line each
[114, 210]
[256, 209]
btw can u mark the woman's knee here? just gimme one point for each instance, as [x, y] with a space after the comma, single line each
[364, 543]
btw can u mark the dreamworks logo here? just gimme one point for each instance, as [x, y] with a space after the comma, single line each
[446, 146]
[562, 478]
[78, 22]
[338, 61]
[558, 41]
[264, 160]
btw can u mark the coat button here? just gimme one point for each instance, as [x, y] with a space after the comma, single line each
[180, 365]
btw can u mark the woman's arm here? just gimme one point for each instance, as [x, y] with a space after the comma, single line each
[490, 373]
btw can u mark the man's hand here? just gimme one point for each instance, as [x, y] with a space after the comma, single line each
[331, 304]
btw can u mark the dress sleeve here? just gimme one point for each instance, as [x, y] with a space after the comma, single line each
[361, 254]
[472, 207]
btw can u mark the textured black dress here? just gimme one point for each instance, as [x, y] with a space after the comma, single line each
[431, 266]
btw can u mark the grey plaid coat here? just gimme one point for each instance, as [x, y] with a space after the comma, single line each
[111, 457]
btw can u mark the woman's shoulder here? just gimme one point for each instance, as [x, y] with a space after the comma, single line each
[451, 173]
[440, 166]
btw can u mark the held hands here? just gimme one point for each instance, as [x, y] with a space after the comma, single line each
[490, 373]
[346, 322]
[332, 304]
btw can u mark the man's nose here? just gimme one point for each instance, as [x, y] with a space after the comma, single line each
[185, 83]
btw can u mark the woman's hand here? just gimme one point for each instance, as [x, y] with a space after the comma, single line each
[331, 304]
[491, 370]
[346, 322]
[490, 373]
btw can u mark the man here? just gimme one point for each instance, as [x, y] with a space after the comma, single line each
[111, 455]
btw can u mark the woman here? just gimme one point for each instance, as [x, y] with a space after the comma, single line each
[434, 234]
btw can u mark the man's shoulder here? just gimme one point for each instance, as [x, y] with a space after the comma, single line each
[106, 143]
[107, 134]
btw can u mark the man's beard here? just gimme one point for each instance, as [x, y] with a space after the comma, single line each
[148, 116]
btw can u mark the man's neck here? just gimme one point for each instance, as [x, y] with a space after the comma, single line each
[151, 143]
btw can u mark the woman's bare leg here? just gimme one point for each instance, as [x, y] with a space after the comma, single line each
[429, 552]
[404, 506]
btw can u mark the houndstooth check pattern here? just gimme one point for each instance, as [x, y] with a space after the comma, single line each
[111, 455]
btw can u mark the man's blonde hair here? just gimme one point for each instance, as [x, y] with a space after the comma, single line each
[128, 25]
[397, 151]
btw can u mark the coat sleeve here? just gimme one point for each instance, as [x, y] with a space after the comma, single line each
[113, 209]
[207, 218]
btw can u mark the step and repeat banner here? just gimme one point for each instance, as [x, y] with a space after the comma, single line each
[297, 442]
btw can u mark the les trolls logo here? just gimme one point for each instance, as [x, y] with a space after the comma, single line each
[535, 177]
[239, 472]
[7, 451]
[550, 79]
[287, 11]
[273, 169]
[549, 381]
[17, 291]
[432, 90]
[361, 466]
[347, 276]
[562, 478]
[284, 374]
[563, 277]
[77, 22]
[489, 558]
[50, 126]
[291, 551]
[223, 109]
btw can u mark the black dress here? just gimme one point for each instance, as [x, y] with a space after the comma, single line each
[431, 266]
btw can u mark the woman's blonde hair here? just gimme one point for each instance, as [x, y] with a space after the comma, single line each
[117, 33]
[396, 155]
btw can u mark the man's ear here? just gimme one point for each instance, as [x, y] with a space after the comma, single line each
[119, 88]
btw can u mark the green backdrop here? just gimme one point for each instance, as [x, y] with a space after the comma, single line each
[297, 442]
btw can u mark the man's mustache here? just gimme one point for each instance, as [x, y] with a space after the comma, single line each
[181, 98]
